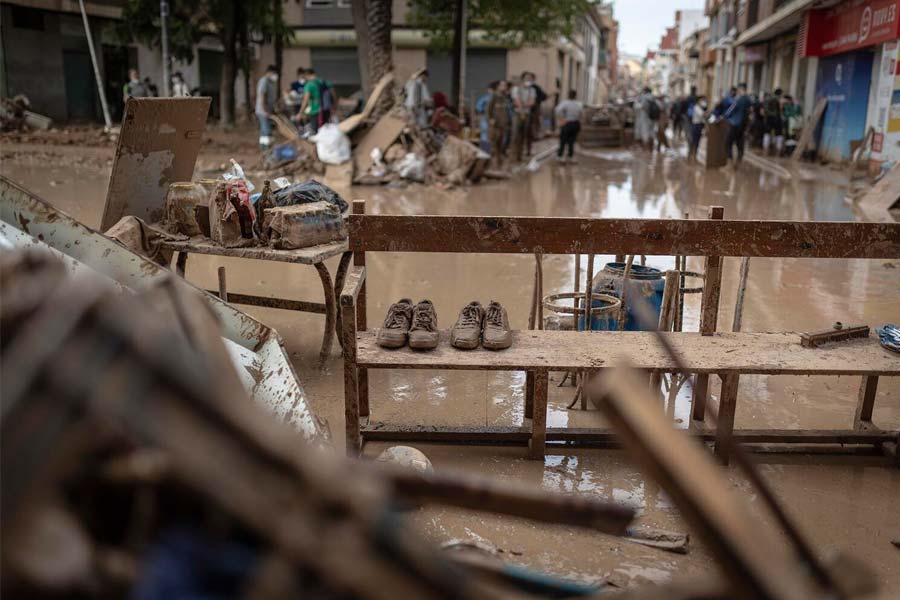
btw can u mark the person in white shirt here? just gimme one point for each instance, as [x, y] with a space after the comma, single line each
[568, 116]
[180, 88]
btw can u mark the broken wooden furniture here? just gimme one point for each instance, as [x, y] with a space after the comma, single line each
[727, 355]
[314, 255]
[257, 350]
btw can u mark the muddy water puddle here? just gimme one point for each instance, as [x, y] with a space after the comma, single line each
[842, 503]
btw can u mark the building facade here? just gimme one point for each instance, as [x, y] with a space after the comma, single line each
[324, 38]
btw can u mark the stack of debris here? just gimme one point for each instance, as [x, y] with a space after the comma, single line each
[390, 149]
[609, 125]
[15, 115]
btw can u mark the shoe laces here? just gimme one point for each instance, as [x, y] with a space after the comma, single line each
[470, 316]
[494, 316]
[424, 319]
[396, 316]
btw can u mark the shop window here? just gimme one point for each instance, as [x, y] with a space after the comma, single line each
[24, 17]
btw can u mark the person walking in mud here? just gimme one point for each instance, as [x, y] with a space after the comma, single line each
[736, 116]
[568, 115]
[498, 113]
[697, 113]
[643, 125]
[266, 97]
[524, 97]
[135, 88]
[662, 123]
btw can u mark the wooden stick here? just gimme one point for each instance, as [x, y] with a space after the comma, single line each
[532, 312]
[577, 289]
[489, 495]
[539, 266]
[742, 290]
[223, 289]
[625, 276]
[709, 312]
[666, 317]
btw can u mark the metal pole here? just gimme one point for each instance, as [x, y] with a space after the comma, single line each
[90, 40]
[458, 85]
[164, 42]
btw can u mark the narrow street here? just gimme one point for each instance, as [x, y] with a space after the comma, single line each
[838, 502]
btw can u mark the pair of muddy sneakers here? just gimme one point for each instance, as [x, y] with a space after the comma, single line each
[417, 326]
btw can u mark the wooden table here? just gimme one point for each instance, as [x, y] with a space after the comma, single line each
[314, 255]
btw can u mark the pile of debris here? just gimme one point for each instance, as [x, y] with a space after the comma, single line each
[387, 150]
[15, 115]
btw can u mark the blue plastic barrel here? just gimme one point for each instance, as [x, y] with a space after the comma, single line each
[605, 321]
[645, 282]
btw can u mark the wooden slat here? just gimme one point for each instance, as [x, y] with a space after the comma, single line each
[548, 235]
[722, 352]
[387, 432]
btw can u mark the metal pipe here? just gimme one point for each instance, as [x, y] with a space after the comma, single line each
[90, 40]
[164, 42]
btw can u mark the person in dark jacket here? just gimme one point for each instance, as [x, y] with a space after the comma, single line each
[736, 115]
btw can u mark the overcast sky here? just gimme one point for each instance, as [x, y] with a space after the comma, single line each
[643, 22]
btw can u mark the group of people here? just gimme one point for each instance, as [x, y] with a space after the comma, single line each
[309, 102]
[509, 117]
[145, 88]
[774, 120]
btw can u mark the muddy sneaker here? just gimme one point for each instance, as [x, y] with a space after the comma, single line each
[466, 334]
[496, 334]
[424, 335]
[394, 332]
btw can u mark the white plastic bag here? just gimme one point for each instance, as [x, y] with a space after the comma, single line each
[237, 172]
[378, 168]
[332, 146]
[411, 166]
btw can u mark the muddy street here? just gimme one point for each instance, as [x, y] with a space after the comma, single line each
[849, 503]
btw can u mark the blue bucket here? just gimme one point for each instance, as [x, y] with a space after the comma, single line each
[646, 282]
[605, 321]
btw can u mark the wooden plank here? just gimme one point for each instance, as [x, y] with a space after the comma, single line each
[813, 339]
[725, 422]
[483, 494]
[754, 557]
[661, 237]
[722, 352]
[875, 203]
[501, 435]
[351, 397]
[353, 121]
[709, 316]
[282, 303]
[158, 145]
[809, 129]
[382, 135]
[529, 394]
[866, 403]
[303, 256]
[362, 375]
[539, 417]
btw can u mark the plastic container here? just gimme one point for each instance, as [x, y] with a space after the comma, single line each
[645, 282]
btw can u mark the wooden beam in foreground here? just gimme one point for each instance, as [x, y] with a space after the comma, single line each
[661, 237]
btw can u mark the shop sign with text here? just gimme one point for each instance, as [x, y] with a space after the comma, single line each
[850, 25]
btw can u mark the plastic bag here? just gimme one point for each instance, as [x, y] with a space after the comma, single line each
[332, 146]
[411, 166]
[237, 172]
[309, 191]
[378, 168]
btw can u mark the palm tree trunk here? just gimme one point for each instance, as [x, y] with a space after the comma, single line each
[361, 26]
[380, 59]
[229, 67]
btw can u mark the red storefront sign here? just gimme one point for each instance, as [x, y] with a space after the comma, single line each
[850, 25]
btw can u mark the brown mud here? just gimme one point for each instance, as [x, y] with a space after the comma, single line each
[847, 504]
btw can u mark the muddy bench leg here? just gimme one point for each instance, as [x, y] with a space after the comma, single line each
[181, 264]
[725, 422]
[529, 394]
[866, 403]
[330, 312]
[536, 447]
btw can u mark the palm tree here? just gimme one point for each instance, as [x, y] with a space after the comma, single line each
[372, 21]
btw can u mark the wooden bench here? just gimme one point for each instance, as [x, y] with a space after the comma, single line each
[727, 355]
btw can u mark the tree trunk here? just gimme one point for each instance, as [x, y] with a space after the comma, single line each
[229, 67]
[361, 26]
[380, 59]
[244, 44]
[458, 83]
[278, 37]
